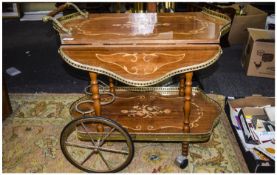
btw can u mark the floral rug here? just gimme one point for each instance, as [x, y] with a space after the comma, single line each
[31, 142]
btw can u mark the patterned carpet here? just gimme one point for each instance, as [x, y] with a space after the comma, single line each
[31, 142]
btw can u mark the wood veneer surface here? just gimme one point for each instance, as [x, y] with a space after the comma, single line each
[149, 112]
[188, 27]
[142, 63]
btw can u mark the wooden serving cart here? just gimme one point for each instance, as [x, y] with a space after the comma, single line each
[139, 50]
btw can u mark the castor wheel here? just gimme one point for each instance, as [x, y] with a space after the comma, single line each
[97, 145]
[181, 161]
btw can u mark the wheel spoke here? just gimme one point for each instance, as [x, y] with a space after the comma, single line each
[89, 156]
[104, 160]
[80, 146]
[106, 136]
[83, 125]
[96, 142]
[113, 150]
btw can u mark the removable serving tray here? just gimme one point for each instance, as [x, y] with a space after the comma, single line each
[180, 27]
[156, 114]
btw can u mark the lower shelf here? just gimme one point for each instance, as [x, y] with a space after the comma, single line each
[156, 114]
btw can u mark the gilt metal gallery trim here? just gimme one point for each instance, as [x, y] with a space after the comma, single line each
[191, 137]
[139, 83]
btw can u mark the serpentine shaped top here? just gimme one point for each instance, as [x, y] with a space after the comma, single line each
[141, 65]
[188, 27]
[141, 49]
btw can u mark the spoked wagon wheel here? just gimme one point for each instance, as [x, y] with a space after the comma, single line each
[96, 144]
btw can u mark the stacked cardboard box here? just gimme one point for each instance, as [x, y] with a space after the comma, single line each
[258, 57]
[252, 18]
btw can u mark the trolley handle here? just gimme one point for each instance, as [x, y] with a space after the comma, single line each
[52, 14]
[58, 10]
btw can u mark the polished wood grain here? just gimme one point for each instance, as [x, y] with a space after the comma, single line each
[111, 85]
[143, 49]
[96, 98]
[187, 110]
[95, 93]
[150, 112]
[182, 85]
[187, 101]
[141, 65]
[185, 148]
[188, 27]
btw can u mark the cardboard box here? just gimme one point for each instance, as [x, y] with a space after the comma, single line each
[254, 154]
[254, 18]
[251, 101]
[258, 57]
[248, 106]
[260, 135]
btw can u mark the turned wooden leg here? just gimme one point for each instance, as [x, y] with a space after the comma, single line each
[96, 97]
[112, 88]
[182, 85]
[95, 93]
[187, 108]
[151, 7]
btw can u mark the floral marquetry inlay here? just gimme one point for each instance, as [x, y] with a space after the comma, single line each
[140, 63]
[142, 24]
[145, 111]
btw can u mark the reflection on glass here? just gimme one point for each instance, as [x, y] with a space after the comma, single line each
[142, 23]
[211, 30]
